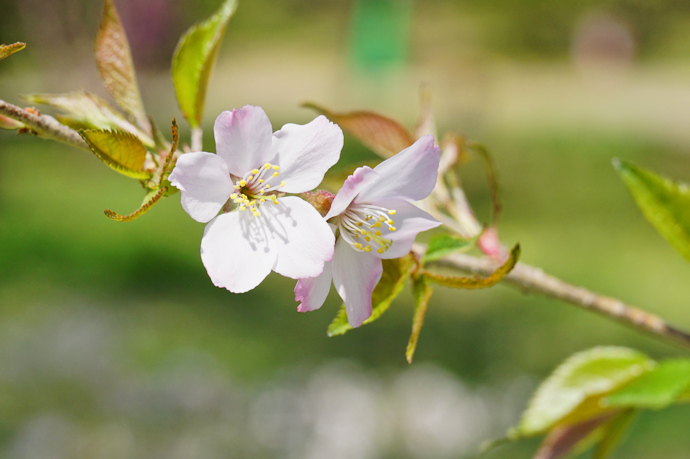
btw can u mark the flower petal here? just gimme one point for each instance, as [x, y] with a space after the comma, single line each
[312, 292]
[237, 251]
[306, 152]
[355, 274]
[411, 174]
[409, 221]
[204, 182]
[303, 238]
[243, 138]
[360, 179]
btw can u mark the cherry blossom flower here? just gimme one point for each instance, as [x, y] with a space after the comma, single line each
[261, 229]
[373, 219]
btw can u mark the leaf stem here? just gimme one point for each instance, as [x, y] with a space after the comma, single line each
[534, 280]
[44, 125]
[197, 139]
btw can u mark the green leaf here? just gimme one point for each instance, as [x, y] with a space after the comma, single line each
[657, 389]
[193, 61]
[422, 294]
[6, 50]
[150, 199]
[665, 203]
[613, 433]
[445, 244]
[395, 273]
[474, 282]
[84, 110]
[382, 135]
[121, 151]
[114, 61]
[593, 372]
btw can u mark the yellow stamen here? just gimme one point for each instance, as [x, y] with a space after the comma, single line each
[275, 174]
[367, 248]
[243, 183]
[255, 171]
[358, 245]
[392, 212]
[392, 228]
[276, 167]
[233, 196]
[381, 250]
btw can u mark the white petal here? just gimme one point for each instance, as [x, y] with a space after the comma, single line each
[360, 179]
[243, 138]
[408, 221]
[411, 174]
[204, 182]
[355, 274]
[306, 152]
[237, 251]
[312, 292]
[303, 238]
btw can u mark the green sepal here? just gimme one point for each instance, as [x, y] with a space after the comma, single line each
[193, 61]
[475, 282]
[121, 151]
[150, 199]
[395, 273]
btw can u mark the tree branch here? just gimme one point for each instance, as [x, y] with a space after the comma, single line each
[535, 280]
[44, 125]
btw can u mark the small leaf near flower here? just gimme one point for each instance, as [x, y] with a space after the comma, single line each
[6, 50]
[445, 244]
[383, 135]
[114, 61]
[665, 203]
[193, 61]
[121, 151]
[395, 274]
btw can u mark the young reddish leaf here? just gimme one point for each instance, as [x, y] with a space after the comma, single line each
[193, 61]
[382, 135]
[422, 295]
[656, 389]
[114, 61]
[6, 50]
[665, 203]
[84, 110]
[395, 273]
[150, 199]
[568, 439]
[586, 374]
[121, 151]
[475, 282]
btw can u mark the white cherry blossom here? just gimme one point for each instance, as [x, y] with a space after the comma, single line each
[261, 229]
[374, 219]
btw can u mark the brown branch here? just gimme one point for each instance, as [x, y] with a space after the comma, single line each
[44, 125]
[535, 280]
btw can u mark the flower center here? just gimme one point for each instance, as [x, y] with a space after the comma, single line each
[361, 225]
[256, 187]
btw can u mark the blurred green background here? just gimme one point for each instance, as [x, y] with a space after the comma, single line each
[115, 344]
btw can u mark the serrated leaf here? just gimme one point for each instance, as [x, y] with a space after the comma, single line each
[6, 50]
[395, 273]
[445, 244]
[382, 135]
[664, 203]
[475, 282]
[83, 110]
[657, 389]
[613, 433]
[571, 439]
[121, 151]
[583, 375]
[193, 61]
[150, 199]
[422, 294]
[114, 61]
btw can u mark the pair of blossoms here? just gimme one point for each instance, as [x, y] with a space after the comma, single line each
[261, 228]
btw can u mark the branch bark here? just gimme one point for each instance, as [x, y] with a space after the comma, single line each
[534, 280]
[44, 125]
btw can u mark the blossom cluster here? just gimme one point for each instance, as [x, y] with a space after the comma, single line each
[256, 224]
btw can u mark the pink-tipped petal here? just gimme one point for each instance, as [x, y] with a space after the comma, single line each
[408, 222]
[303, 238]
[237, 251]
[312, 292]
[306, 152]
[360, 179]
[411, 174]
[243, 138]
[204, 183]
[355, 274]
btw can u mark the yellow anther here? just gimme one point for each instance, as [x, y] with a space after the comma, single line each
[250, 177]
[282, 183]
[381, 250]
[358, 245]
[243, 208]
[261, 180]
[378, 232]
[243, 183]
[367, 239]
[275, 168]
[363, 232]
[275, 174]
[392, 228]
[262, 200]
[256, 214]
[237, 187]
[275, 201]
[268, 185]
[377, 224]
[360, 223]
[356, 236]
[392, 211]
[367, 248]
[382, 218]
[267, 166]
[233, 196]
[390, 222]
[255, 171]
